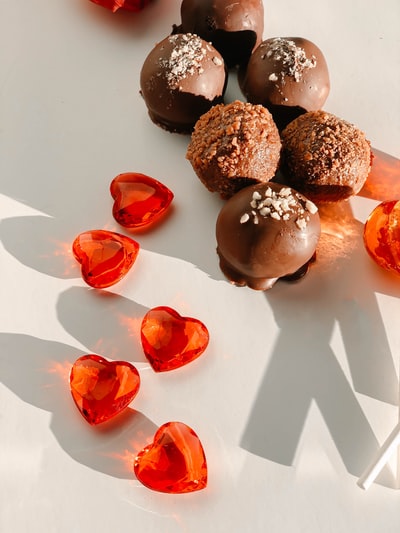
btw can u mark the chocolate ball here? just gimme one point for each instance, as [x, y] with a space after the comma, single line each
[266, 232]
[182, 78]
[324, 157]
[288, 75]
[234, 28]
[234, 145]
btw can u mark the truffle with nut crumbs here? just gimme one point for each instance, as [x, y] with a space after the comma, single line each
[325, 157]
[234, 145]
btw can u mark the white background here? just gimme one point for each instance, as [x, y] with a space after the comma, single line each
[298, 387]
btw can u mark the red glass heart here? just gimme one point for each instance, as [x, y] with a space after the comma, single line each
[175, 462]
[382, 235]
[128, 5]
[170, 340]
[105, 256]
[102, 389]
[139, 199]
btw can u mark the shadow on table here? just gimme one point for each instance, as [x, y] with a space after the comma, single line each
[339, 290]
[37, 371]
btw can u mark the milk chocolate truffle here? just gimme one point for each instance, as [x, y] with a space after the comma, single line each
[266, 232]
[325, 157]
[234, 145]
[181, 78]
[234, 28]
[288, 75]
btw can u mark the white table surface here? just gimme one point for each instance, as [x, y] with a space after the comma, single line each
[299, 386]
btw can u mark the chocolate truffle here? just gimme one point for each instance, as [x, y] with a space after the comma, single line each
[234, 145]
[288, 75]
[181, 78]
[325, 157]
[234, 28]
[266, 232]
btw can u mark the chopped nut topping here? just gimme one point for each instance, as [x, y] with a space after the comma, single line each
[282, 204]
[185, 59]
[293, 58]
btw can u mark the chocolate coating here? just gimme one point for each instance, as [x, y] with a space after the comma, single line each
[233, 146]
[234, 28]
[324, 157]
[288, 75]
[182, 78]
[266, 232]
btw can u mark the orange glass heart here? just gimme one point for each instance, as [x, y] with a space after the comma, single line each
[170, 340]
[382, 235]
[175, 461]
[138, 199]
[105, 256]
[102, 389]
[128, 5]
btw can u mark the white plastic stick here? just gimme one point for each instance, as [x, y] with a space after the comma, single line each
[381, 458]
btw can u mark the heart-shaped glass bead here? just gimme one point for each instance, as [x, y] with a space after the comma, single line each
[170, 340]
[128, 5]
[139, 200]
[382, 235]
[102, 389]
[174, 462]
[105, 256]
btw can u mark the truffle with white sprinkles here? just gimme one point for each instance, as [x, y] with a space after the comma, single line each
[266, 232]
[182, 78]
[288, 75]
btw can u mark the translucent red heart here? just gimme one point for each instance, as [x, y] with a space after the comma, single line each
[139, 200]
[174, 462]
[170, 340]
[102, 389]
[382, 235]
[105, 256]
[128, 5]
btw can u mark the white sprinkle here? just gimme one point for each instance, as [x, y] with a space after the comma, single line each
[277, 204]
[311, 207]
[244, 218]
[301, 223]
[217, 61]
[256, 195]
[273, 77]
[275, 215]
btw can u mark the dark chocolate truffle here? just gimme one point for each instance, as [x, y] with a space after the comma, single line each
[234, 28]
[288, 75]
[266, 232]
[325, 157]
[234, 145]
[181, 78]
